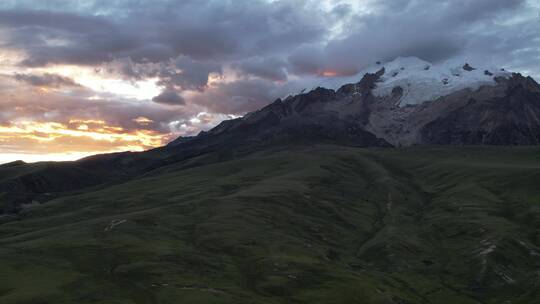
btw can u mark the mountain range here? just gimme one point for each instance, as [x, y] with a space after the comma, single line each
[415, 184]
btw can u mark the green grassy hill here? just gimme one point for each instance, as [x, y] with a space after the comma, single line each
[323, 224]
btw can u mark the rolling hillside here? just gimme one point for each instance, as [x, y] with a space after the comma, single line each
[303, 224]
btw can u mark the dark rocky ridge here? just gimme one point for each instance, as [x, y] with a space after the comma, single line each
[319, 116]
[510, 117]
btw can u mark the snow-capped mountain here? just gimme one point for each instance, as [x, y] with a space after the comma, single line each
[423, 81]
[407, 101]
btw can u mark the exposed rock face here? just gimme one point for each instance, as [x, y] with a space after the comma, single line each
[321, 115]
[468, 68]
[505, 115]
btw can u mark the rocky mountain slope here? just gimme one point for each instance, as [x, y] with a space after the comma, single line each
[405, 102]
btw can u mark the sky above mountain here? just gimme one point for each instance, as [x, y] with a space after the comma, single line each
[86, 77]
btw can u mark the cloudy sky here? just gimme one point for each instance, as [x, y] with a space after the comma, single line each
[86, 77]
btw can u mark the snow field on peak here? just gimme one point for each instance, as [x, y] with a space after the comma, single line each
[422, 81]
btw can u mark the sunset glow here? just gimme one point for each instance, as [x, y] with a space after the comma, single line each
[99, 81]
[50, 131]
[329, 73]
[73, 140]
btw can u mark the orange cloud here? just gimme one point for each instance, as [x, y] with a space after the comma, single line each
[143, 120]
[87, 121]
[329, 73]
[79, 137]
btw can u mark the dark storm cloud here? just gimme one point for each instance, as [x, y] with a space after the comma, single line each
[237, 97]
[271, 68]
[188, 39]
[186, 74]
[56, 37]
[308, 59]
[431, 30]
[156, 31]
[170, 98]
[25, 18]
[46, 80]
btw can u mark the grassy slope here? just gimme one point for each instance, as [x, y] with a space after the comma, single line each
[318, 225]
